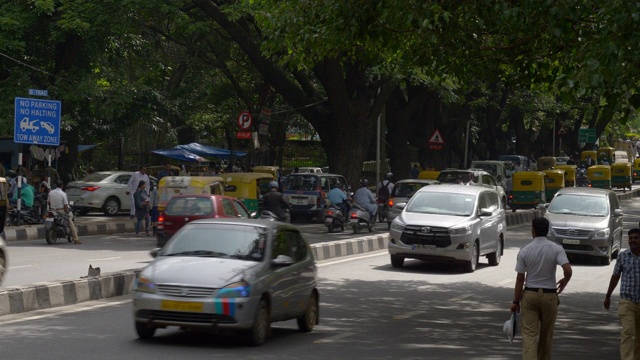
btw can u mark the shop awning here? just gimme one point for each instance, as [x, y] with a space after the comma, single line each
[180, 154]
[210, 151]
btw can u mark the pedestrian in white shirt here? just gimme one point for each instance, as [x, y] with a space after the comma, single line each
[59, 203]
[132, 186]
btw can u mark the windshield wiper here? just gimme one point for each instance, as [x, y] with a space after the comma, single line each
[199, 253]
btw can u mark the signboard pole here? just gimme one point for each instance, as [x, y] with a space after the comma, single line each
[19, 184]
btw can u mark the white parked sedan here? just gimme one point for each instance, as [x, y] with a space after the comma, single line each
[104, 191]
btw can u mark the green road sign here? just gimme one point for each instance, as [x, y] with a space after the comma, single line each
[587, 135]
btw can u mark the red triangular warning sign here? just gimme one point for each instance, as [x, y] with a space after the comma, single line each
[436, 138]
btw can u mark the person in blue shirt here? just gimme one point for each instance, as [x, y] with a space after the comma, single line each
[364, 197]
[337, 197]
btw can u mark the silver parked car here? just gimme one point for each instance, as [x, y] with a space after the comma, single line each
[403, 190]
[3, 257]
[229, 274]
[586, 221]
[450, 223]
[104, 191]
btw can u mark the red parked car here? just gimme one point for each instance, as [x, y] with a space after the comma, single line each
[182, 209]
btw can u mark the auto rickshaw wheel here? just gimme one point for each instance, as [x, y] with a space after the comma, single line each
[513, 209]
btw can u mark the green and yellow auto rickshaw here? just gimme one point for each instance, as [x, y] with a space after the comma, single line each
[636, 169]
[273, 170]
[528, 190]
[546, 163]
[248, 187]
[621, 176]
[553, 182]
[599, 176]
[569, 174]
[605, 154]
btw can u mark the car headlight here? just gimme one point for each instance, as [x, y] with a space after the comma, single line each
[460, 231]
[604, 233]
[396, 225]
[234, 290]
[143, 284]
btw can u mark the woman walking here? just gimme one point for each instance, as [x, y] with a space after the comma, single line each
[153, 201]
[141, 202]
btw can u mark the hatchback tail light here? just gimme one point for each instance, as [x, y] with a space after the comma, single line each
[90, 188]
[160, 224]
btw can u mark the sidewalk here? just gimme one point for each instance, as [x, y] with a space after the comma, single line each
[68, 292]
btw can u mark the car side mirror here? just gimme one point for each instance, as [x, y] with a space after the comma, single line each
[253, 215]
[282, 260]
[155, 252]
[400, 206]
[485, 212]
[617, 212]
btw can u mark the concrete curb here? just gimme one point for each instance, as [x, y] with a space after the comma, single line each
[36, 232]
[47, 295]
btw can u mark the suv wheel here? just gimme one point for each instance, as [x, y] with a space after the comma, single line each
[470, 266]
[397, 261]
[494, 258]
[607, 259]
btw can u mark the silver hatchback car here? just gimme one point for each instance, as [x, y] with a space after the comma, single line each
[403, 190]
[586, 221]
[229, 274]
[450, 223]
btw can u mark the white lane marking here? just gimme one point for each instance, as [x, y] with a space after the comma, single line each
[461, 297]
[21, 266]
[333, 338]
[104, 259]
[351, 258]
[71, 309]
[506, 281]
[408, 315]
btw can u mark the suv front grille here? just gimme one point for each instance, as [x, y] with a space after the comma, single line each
[572, 232]
[184, 291]
[414, 234]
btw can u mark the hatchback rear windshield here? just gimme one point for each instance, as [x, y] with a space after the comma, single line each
[95, 177]
[189, 206]
[455, 177]
[406, 189]
[302, 182]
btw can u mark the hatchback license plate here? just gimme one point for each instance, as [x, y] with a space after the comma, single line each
[181, 305]
[423, 247]
[571, 242]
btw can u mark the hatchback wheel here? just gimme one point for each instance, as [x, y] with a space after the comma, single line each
[144, 332]
[470, 266]
[307, 321]
[111, 206]
[257, 335]
[494, 258]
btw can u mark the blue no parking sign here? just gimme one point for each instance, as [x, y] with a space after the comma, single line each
[37, 122]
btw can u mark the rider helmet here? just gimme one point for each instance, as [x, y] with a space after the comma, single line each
[337, 185]
[388, 176]
[364, 182]
[273, 185]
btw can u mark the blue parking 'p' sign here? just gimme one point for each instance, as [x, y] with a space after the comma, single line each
[37, 122]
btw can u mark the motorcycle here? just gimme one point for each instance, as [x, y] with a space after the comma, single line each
[383, 208]
[56, 226]
[581, 178]
[26, 216]
[334, 218]
[270, 215]
[360, 218]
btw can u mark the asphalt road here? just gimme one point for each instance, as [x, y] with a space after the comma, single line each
[368, 310]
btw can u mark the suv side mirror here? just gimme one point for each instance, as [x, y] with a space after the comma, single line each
[282, 260]
[617, 212]
[485, 212]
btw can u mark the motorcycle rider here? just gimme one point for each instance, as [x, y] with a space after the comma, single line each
[275, 202]
[337, 197]
[59, 203]
[385, 187]
[364, 197]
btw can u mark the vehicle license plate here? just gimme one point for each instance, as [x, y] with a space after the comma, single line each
[571, 241]
[424, 247]
[49, 219]
[181, 305]
[300, 201]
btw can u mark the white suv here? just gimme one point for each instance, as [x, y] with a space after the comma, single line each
[449, 223]
[473, 177]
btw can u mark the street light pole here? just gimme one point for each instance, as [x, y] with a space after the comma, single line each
[466, 145]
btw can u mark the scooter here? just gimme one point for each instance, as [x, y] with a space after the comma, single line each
[270, 215]
[334, 218]
[27, 216]
[581, 178]
[360, 219]
[383, 208]
[56, 226]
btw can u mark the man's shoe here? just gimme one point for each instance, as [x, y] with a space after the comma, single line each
[75, 242]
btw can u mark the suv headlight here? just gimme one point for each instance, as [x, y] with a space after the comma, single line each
[604, 233]
[234, 290]
[396, 225]
[460, 231]
[145, 285]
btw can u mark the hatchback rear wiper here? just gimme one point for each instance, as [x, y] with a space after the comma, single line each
[199, 253]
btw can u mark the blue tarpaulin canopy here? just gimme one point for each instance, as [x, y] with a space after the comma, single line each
[180, 154]
[209, 151]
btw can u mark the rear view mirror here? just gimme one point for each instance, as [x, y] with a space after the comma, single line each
[401, 206]
[617, 212]
[155, 252]
[282, 260]
[485, 212]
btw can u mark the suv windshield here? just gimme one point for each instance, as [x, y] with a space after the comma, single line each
[302, 182]
[442, 203]
[240, 242]
[456, 177]
[582, 205]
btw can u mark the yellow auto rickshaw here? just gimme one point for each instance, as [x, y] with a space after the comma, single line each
[569, 174]
[599, 176]
[273, 170]
[585, 155]
[528, 190]
[170, 186]
[553, 182]
[605, 154]
[248, 187]
[546, 163]
[636, 169]
[621, 177]
[428, 174]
